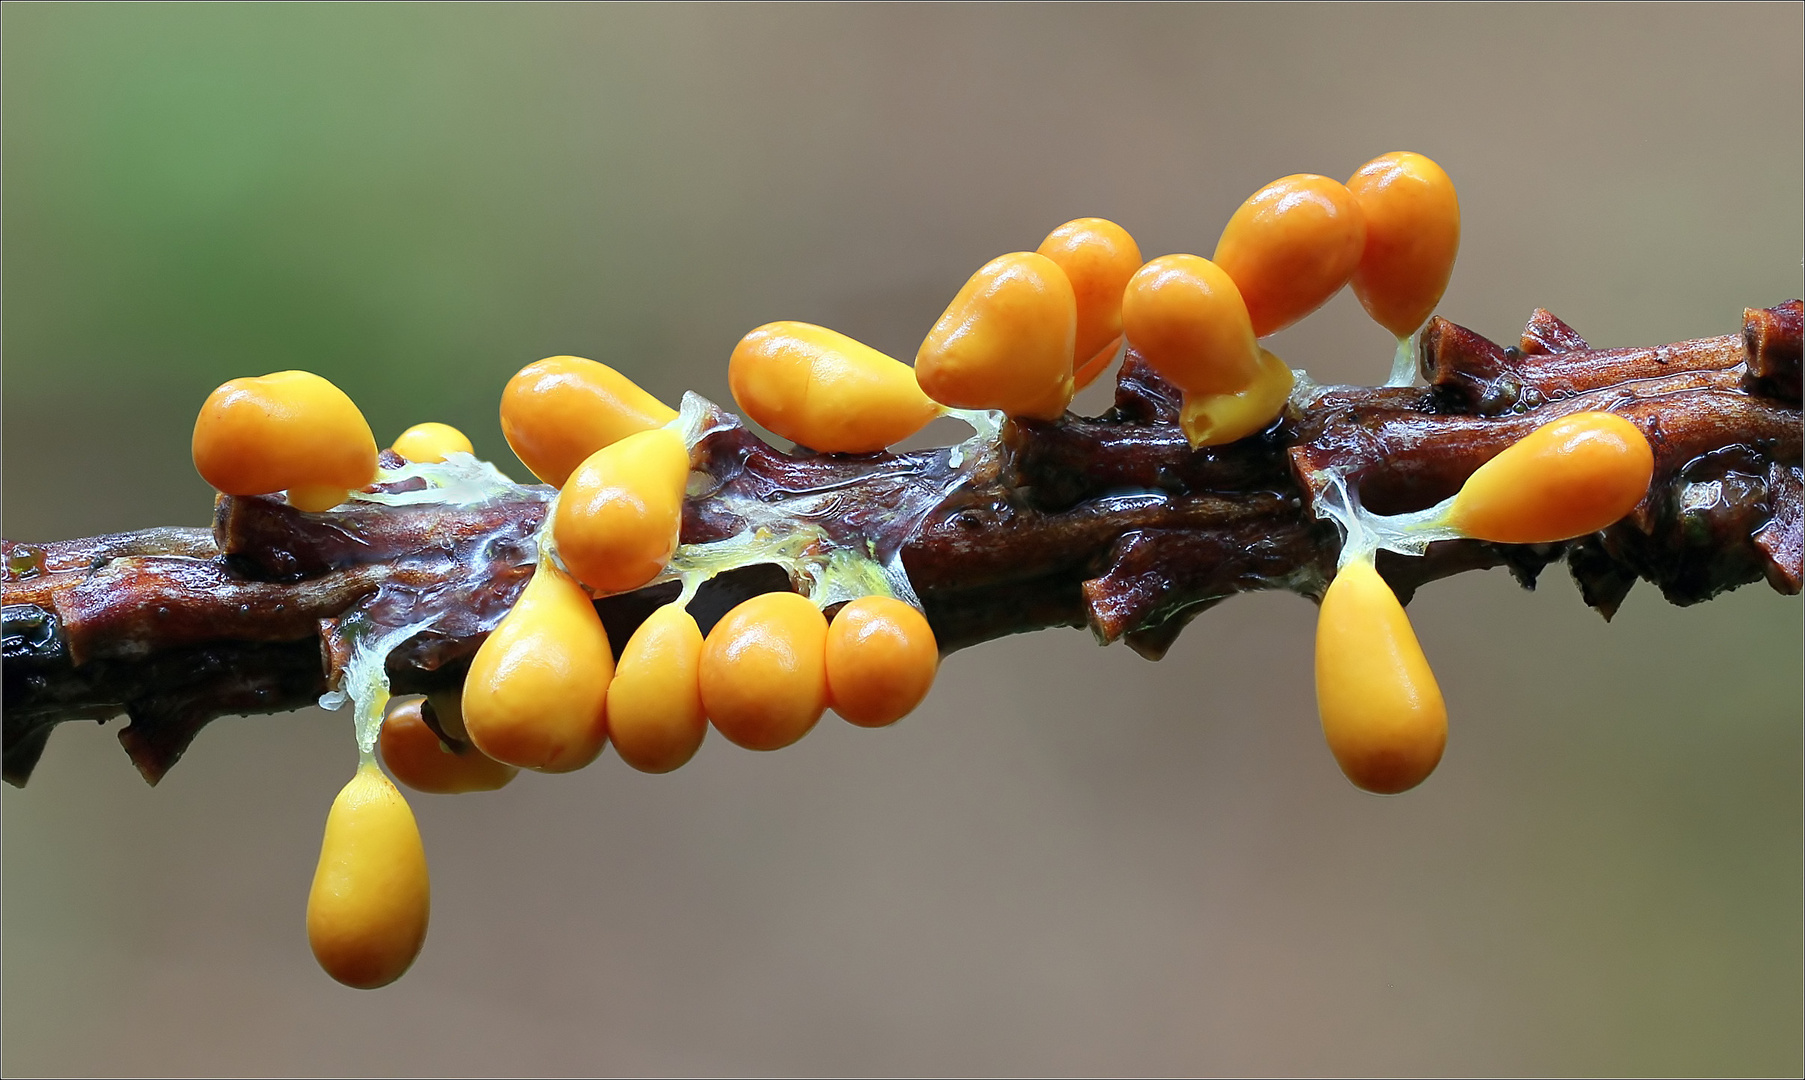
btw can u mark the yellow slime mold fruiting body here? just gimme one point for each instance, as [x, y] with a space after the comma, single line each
[826, 391]
[1098, 257]
[881, 660]
[370, 901]
[1219, 419]
[557, 411]
[1567, 478]
[1382, 712]
[619, 514]
[1293, 244]
[1412, 237]
[1006, 340]
[764, 672]
[416, 756]
[537, 690]
[288, 431]
[655, 716]
[1186, 318]
[431, 441]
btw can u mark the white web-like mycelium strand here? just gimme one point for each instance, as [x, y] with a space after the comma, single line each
[784, 531]
[1362, 531]
[365, 679]
[460, 480]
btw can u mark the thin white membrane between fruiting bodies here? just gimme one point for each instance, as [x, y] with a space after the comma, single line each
[1364, 532]
[781, 531]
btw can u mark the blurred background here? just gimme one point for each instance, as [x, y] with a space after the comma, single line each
[1069, 860]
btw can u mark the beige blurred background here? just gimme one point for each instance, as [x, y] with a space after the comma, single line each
[1069, 860]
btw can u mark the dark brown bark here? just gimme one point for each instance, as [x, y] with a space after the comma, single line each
[1113, 522]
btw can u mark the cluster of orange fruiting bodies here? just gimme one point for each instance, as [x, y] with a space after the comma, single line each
[1029, 329]
[1381, 709]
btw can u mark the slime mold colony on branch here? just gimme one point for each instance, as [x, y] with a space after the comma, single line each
[678, 573]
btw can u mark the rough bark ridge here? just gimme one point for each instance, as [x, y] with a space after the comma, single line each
[1112, 523]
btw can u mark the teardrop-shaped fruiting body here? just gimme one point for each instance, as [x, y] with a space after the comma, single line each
[557, 411]
[1098, 257]
[537, 691]
[655, 716]
[619, 513]
[1185, 317]
[1006, 340]
[370, 901]
[1290, 247]
[826, 391]
[764, 671]
[418, 758]
[1381, 709]
[431, 441]
[1219, 419]
[1412, 236]
[1567, 478]
[288, 431]
[881, 660]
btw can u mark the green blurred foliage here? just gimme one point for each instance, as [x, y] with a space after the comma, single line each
[202, 192]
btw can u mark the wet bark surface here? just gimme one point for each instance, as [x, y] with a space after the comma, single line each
[1112, 523]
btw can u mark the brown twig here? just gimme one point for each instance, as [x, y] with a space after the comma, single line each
[1112, 523]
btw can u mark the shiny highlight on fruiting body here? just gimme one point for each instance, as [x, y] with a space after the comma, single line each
[1412, 237]
[1098, 257]
[287, 431]
[619, 513]
[1006, 340]
[881, 660]
[431, 441]
[1569, 477]
[1382, 712]
[418, 758]
[1220, 419]
[764, 671]
[537, 690]
[655, 716]
[371, 897]
[557, 411]
[1290, 247]
[1185, 317]
[823, 390]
